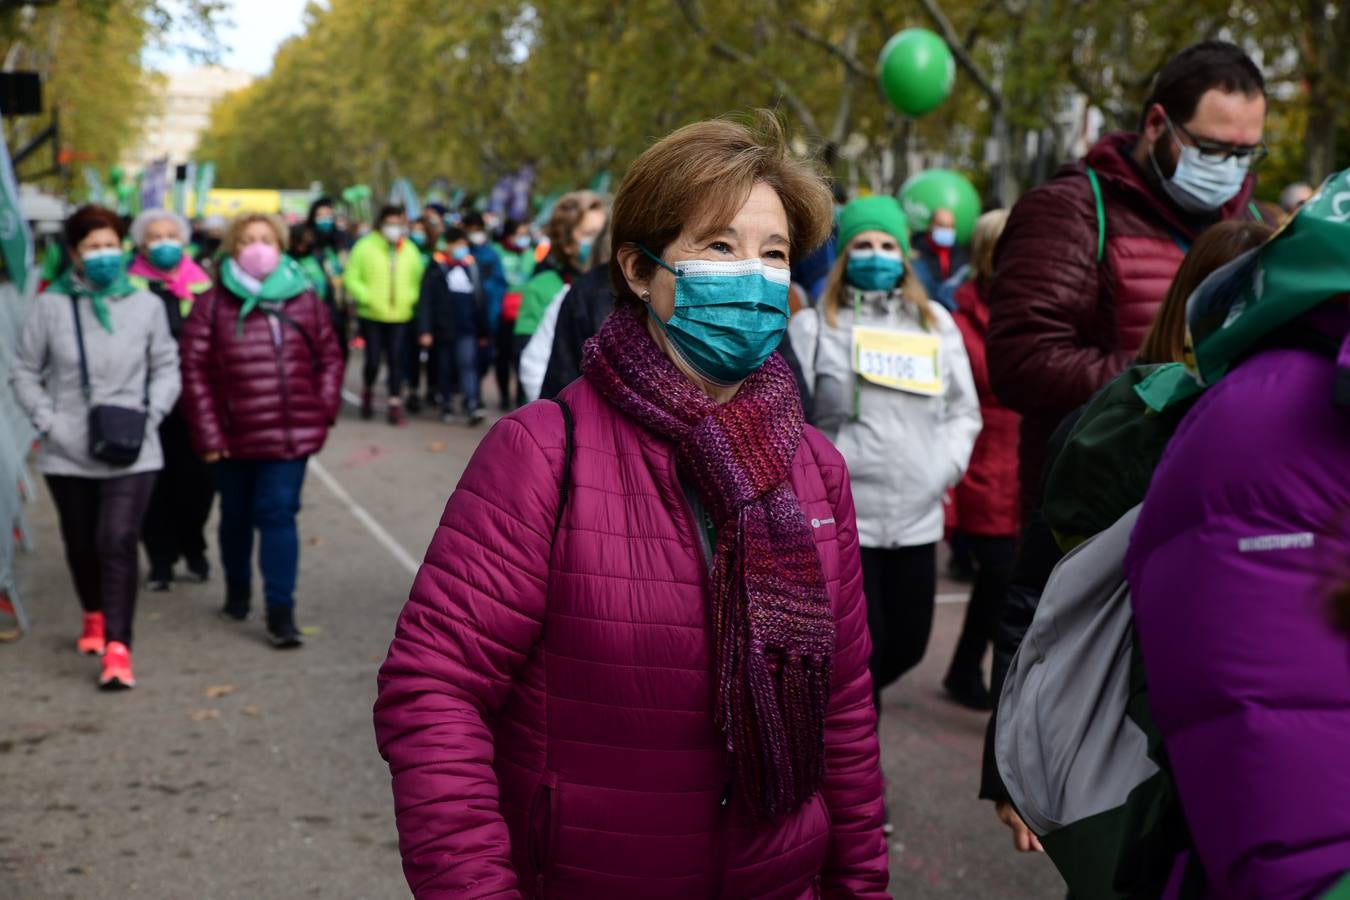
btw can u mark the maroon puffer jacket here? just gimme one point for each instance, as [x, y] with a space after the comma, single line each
[271, 392]
[986, 498]
[547, 704]
[1061, 324]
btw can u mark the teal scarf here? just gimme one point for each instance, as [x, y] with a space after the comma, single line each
[72, 285]
[286, 282]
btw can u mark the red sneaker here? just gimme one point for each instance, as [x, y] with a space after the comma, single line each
[90, 641]
[116, 668]
[395, 415]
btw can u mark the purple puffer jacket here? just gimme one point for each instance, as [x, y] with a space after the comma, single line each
[547, 712]
[1245, 528]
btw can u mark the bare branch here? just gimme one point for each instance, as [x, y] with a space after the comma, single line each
[843, 53]
[963, 58]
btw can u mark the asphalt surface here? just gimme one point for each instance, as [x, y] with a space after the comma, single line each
[237, 771]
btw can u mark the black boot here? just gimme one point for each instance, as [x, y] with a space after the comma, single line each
[967, 689]
[198, 568]
[281, 629]
[237, 597]
[161, 577]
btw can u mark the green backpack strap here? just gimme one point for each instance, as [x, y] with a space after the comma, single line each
[1101, 212]
[1256, 212]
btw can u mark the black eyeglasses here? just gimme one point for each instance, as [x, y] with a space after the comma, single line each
[1215, 152]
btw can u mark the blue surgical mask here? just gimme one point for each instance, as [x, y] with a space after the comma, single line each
[324, 225]
[943, 237]
[584, 252]
[1200, 185]
[102, 267]
[460, 253]
[165, 255]
[418, 238]
[729, 316]
[874, 270]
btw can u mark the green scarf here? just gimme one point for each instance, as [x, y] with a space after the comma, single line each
[286, 282]
[72, 286]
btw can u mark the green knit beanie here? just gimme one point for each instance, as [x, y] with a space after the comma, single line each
[879, 212]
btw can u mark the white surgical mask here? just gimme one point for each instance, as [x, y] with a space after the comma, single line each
[392, 233]
[478, 238]
[1200, 185]
[944, 237]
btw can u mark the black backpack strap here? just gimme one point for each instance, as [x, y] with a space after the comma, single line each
[79, 342]
[565, 489]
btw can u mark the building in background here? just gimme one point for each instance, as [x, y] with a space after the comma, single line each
[180, 111]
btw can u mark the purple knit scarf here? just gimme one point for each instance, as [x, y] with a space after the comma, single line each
[772, 627]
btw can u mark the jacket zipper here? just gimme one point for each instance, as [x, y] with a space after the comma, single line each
[278, 347]
[541, 833]
[719, 838]
[393, 280]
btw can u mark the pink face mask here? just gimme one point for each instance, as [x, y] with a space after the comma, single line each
[259, 259]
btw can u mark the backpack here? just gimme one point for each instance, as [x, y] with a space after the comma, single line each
[1074, 742]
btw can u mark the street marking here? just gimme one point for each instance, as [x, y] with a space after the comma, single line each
[365, 518]
[952, 598]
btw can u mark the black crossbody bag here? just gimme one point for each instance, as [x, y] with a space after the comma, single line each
[115, 432]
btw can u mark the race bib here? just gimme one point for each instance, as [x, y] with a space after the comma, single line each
[899, 360]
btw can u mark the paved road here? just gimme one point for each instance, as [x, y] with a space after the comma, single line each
[235, 771]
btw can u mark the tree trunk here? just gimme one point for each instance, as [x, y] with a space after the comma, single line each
[1328, 38]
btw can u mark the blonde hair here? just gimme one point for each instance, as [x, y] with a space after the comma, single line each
[230, 243]
[988, 229]
[911, 289]
[700, 176]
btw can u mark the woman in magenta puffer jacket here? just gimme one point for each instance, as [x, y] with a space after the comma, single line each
[262, 381]
[638, 667]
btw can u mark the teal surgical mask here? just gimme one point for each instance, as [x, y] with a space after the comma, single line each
[729, 316]
[102, 267]
[584, 252]
[419, 238]
[874, 270]
[324, 224]
[165, 255]
[460, 253]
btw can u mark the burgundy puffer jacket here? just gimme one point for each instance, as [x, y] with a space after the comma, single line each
[271, 392]
[1061, 324]
[547, 704]
[986, 498]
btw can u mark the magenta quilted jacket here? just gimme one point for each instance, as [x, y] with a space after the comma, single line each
[546, 706]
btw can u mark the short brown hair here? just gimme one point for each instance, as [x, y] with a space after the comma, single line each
[1216, 247]
[707, 170]
[243, 220]
[566, 216]
[88, 219]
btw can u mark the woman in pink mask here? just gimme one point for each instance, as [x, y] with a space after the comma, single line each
[262, 376]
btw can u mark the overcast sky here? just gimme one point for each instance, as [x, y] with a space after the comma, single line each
[259, 26]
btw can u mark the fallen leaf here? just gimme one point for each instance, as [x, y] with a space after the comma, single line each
[215, 692]
[249, 710]
[201, 715]
[436, 446]
[315, 541]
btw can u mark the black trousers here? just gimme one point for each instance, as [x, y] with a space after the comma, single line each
[384, 341]
[994, 560]
[101, 526]
[181, 502]
[901, 588]
[508, 363]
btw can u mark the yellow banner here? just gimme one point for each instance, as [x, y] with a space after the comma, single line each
[899, 360]
[231, 202]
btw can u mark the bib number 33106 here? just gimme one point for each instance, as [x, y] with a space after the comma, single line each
[901, 361]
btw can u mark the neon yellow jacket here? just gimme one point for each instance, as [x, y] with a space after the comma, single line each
[384, 281]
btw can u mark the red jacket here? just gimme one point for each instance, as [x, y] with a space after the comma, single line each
[547, 704]
[1061, 324]
[986, 498]
[271, 392]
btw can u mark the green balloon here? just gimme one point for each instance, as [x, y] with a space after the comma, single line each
[916, 71]
[936, 189]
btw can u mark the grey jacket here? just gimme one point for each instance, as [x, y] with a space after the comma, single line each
[903, 450]
[46, 377]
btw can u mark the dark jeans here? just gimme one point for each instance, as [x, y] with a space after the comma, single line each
[181, 502]
[506, 364]
[262, 495]
[518, 345]
[901, 588]
[384, 340]
[414, 367]
[458, 358]
[100, 526]
[994, 560]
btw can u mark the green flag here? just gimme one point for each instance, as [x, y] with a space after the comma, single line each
[16, 241]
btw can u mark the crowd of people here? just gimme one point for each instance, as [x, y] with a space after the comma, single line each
[646, 653]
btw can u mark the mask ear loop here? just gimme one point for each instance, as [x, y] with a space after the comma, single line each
[659, 261]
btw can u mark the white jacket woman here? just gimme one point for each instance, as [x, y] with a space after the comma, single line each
[893, 390]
